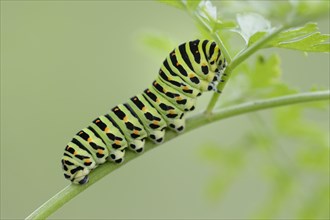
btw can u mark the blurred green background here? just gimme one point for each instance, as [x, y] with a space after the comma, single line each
[65, 63]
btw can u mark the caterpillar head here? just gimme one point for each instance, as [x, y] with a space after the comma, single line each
[216, 60]
[75, 171]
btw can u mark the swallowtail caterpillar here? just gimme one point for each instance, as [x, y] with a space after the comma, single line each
[189, 70]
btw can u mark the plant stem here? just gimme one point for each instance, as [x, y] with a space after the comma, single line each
[196, 121]
[238, 59]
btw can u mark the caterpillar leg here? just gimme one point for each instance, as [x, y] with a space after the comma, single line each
[157, 136]
[137, 145]
[117, 156]
[178, 125]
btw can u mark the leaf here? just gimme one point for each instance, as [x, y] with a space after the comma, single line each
[257, 36]
[292, 33]
[266, 77]
[308, 132]
[296, 33]
[315, 7]
[229, 24]
[266, 71]
[261, 78]
[228, 163]
[207, 10]
[305, 38]
[315, 42]
[251, 24]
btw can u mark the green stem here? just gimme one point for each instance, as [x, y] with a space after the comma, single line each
[238, 59]
[198, 120]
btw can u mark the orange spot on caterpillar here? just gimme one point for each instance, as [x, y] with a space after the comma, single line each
[177, 64]
[97, 121]
[117, 142]
[125, 118]
[144, 109]
[100, 151]
[106, 130]
[88, 160]
[116, 109]
[135, 131]
[155, 83]
[155, 122]
[80, 132]
[89, 140]
[191, 75]
[135, 99]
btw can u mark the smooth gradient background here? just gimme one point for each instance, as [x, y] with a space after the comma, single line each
[65, 63]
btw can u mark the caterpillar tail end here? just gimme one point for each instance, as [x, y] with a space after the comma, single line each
[84, 180]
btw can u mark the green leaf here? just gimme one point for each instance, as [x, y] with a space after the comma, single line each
[229, 24]
[255, 37]
[296, 33]
[265, 77]
[228, 163]
[315, 7]
[315, 42]
[316, 206]
[261, 78]
[306, 38]
[207, 10]
[308, 132]
[251, 24]
[266, 72]
[288, 35]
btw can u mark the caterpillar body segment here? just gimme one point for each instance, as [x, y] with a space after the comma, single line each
[189, 70]
[109, 132]
[130, 125]
[151, 119]
[182, 101]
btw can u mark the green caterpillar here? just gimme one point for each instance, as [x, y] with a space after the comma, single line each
[190, 69]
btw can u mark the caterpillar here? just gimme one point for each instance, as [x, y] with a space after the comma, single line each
[190, 69]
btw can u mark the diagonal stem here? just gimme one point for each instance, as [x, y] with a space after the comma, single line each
[194, 122]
